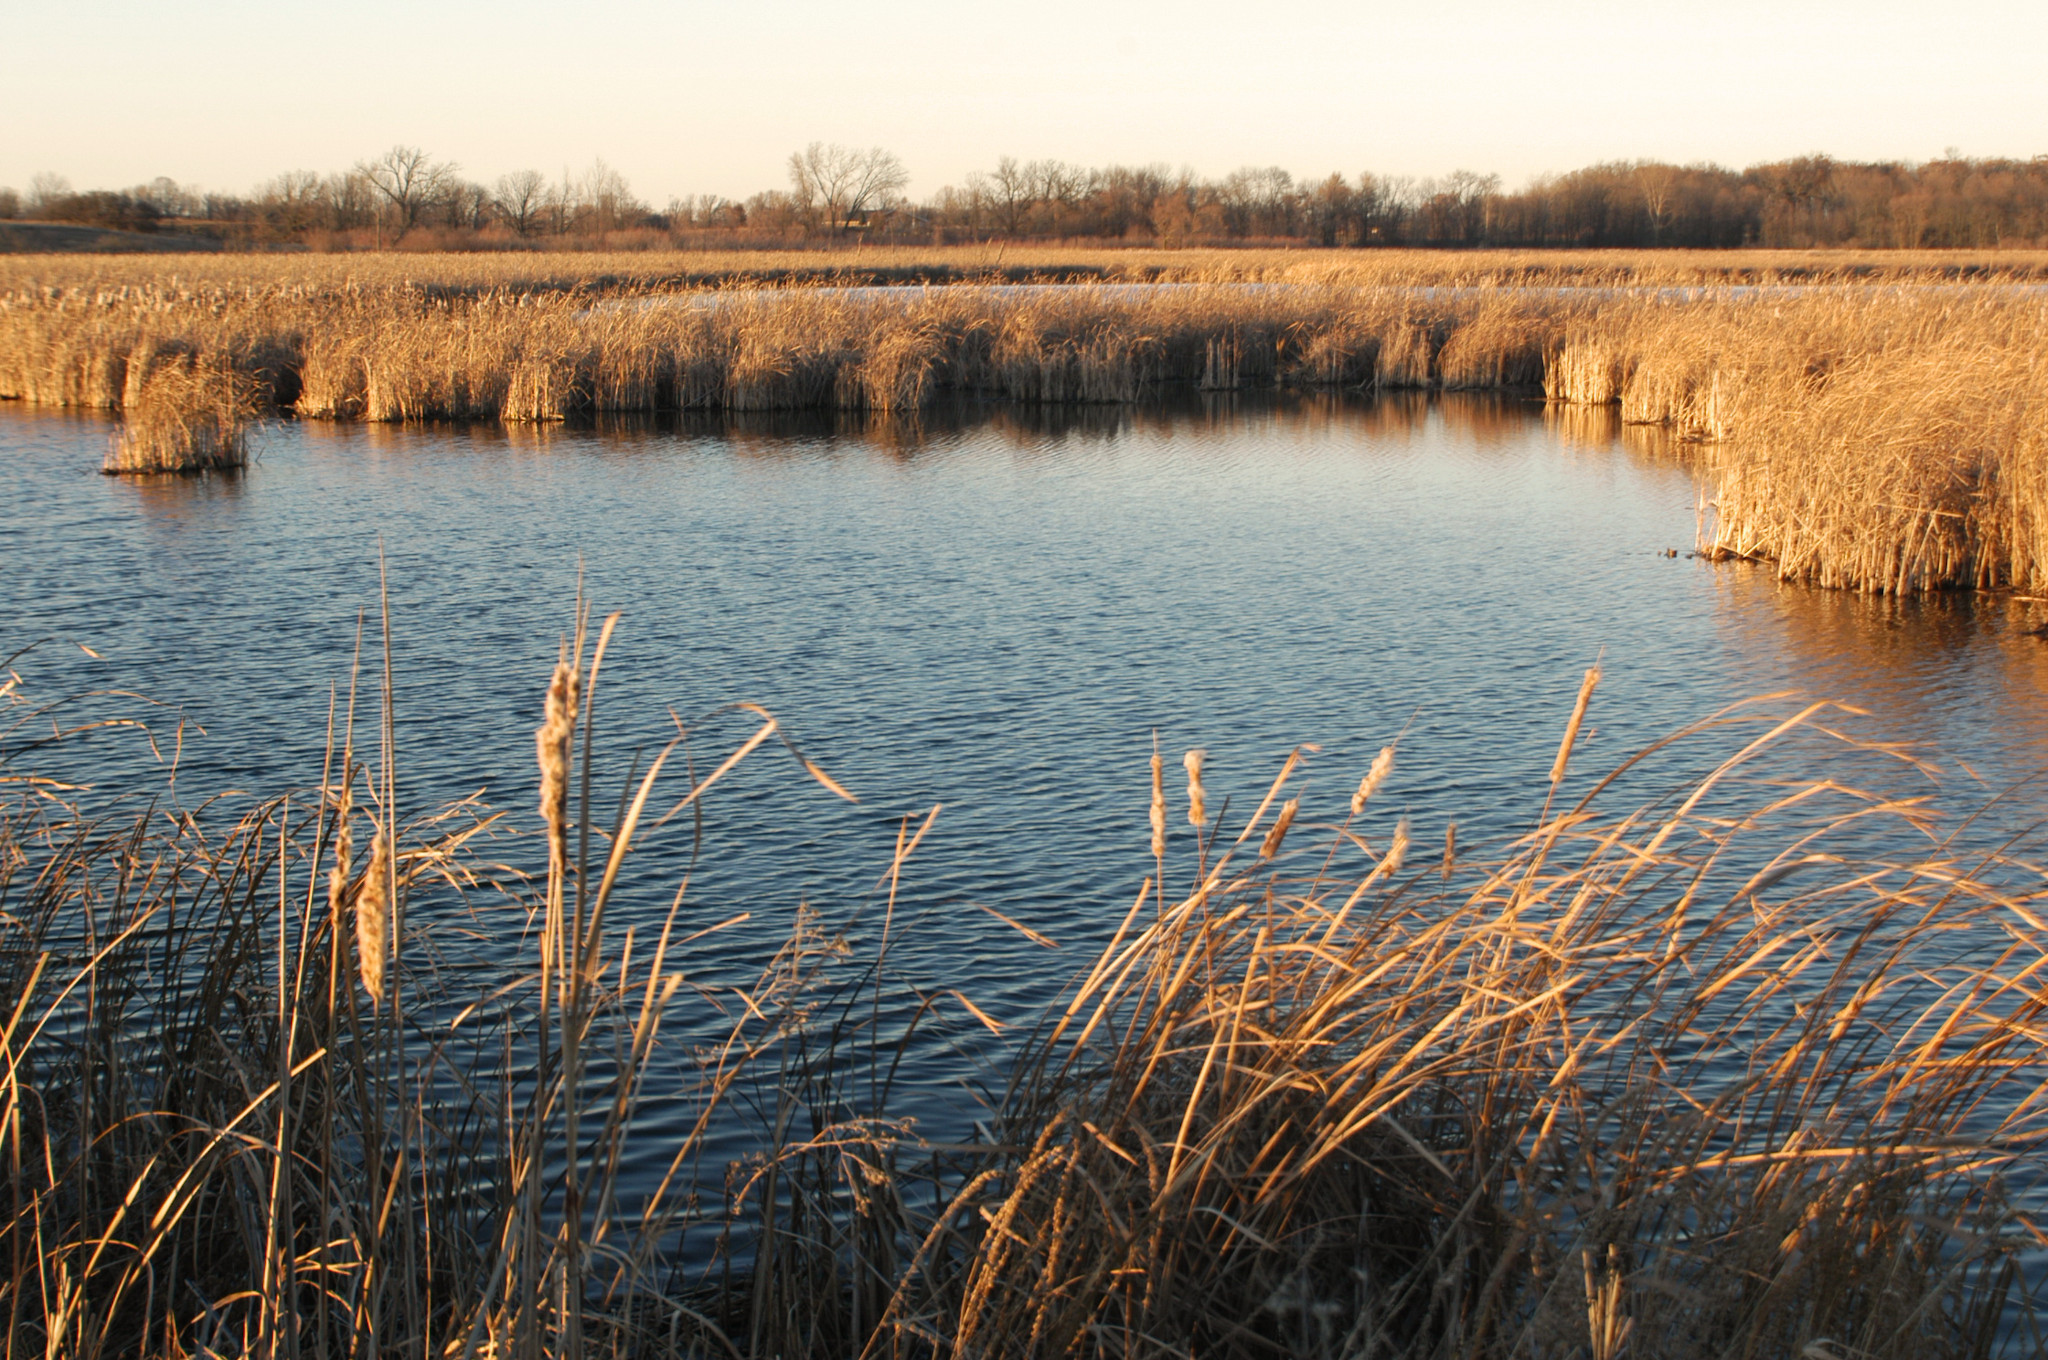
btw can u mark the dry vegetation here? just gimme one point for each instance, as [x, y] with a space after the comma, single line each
[1008, 262]
[1865, 422]
[1691, 1080]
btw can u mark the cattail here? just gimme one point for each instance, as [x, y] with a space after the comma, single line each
[344, 852]
[1450, 848]
[1158, 807]
[1382, 766]
[1197, 813]
[1271, 847]
[552, 740]
[1571, 729]
[373, 931]
[1398, 851]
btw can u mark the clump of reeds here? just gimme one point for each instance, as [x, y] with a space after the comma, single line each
[1502, 345]
[183, 414]
[232, 1065]
[1602, 1092]
[1692, 1079]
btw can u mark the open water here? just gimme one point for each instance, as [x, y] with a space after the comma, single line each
[995, 611]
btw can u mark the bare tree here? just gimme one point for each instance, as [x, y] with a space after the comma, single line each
[351, 201]
[169, 198]
[604, 200]
[409, 180]
[1012, 185]
[292, 202]
[1658, 183]
[469, 205]
[521, 196]
[46, 189]
[844, 183]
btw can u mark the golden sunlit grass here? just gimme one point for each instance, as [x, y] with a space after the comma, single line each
[1013, 262]
[1878, 430]
[1695, 1079]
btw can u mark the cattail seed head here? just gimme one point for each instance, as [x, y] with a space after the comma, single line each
[1271, 846]
[551, 740]
[1450, 848]
[1197, 813]
[373, 920]
[1571, 729]
[1398, 851]
[344, 853]
[1158, 807]
[1382, 766]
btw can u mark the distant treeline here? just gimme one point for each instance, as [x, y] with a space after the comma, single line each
[408, 199]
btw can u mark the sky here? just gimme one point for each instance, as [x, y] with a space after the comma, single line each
[711, 98]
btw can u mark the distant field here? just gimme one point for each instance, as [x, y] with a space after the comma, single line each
[64, 238]
[941, 264]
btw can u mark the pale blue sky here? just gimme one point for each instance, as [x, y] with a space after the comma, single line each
[711, 98]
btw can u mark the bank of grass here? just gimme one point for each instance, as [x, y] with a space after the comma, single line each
[1689, 1079]
[1868, 423]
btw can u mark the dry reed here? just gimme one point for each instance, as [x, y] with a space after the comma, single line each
[1158, 807]
[1689, 1080]
[373, 920]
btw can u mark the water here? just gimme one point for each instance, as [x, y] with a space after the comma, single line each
[996, 611]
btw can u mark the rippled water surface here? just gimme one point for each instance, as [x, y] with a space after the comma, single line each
[995, 612]
[998, 613]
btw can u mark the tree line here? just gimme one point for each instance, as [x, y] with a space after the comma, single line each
[407, 197]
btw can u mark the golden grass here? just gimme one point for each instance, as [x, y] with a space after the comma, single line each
[1000, 262]
[182, 413]
[1884, 440]
[1877, 433]
[1693, 1080]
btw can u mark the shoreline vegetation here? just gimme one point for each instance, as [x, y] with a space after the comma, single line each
[1689, 1079]
[1870, 424]
[408, 199]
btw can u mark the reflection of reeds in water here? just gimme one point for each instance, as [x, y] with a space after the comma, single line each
[1694, 1079]
[1906, 657]
[1585, 427]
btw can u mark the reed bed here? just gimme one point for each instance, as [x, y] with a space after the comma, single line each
[1700, 1078]
[405, 354]
[1879, 435]
[1881, 440]
[1000, 262]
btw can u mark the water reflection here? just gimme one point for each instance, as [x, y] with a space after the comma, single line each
[1482, 419]
[1499, 542]
[165, 499]
[1964, 674]
[1599, 428]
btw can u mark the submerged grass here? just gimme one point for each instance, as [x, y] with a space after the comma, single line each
[1698, 1078]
